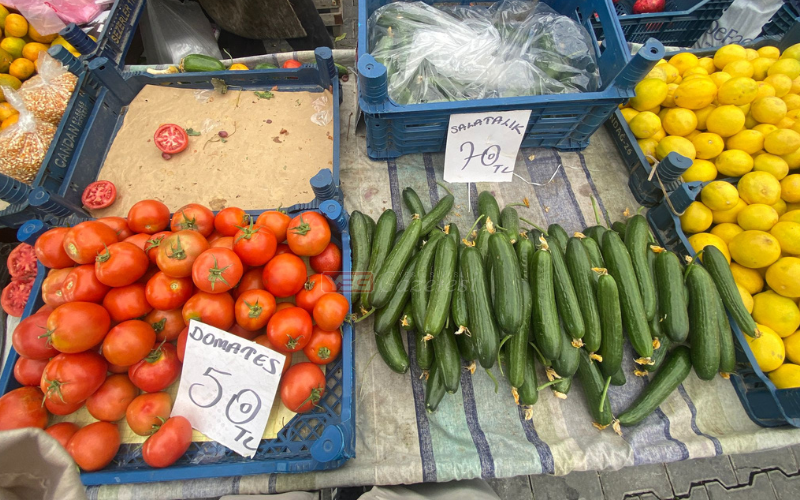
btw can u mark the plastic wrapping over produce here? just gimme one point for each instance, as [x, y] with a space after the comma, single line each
[512, 48]
[24, 144]
[47, 94]
[173, 29]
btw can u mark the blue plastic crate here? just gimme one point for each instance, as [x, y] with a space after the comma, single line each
[115, 39]
[563, 121]
[783, 19]
[320, 440]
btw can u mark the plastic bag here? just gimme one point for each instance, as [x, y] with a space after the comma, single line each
[512, 48]
[24, 144]
[740, 23]
[47, 94]
[40, 15]
[172, 29]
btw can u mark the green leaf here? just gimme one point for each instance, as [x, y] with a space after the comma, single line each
[192, 132]
[266, 94]
[340, 37]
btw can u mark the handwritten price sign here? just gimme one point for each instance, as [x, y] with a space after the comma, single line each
[227, 387]
[482, 147]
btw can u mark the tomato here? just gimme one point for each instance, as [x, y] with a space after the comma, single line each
[282, 249]
[284, 275]
[49, 248]
[158, 370]
[84, 241]
[276, 221]
[99, 194]
[168, 443]
[27, 340]
[289, 330]
[82, 285]
[251, 280]
[264, 340]
[148, 216]
[331, 311]
[284, 305]
[21, 261]
[121, 264]
[223, 242]
[138, 239]
[117, 368]
[56, 407]
[166, 324]
[178, 251]
[254, 308]
[15, 296]
[151, 247]
[255, 245]
[324, 346]
[302, 387]
[46, 309]
[292, 63]
[329, 261]
[111, 400]
[194, 217]
[129, 342]
[171, 138]
[144, 411]
[71, 378]
[230, 219]
[316, 286]
[127, 302]
[308, 234]
[29, 371]
[119, 225]
[215, 309]
[214, 236]
[62, 432]
[164, 292]
[94, 446]
[22, 408]
[217, 270]
[181, 343]
[245, 334]
[77, 326]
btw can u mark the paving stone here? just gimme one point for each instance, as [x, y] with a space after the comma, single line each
[512, 488]
[648, 496]
[639, 479]
[785, 488]
[573, 486]
[698, 492]
[796, 450]
[683, 474]
[761, 489]
[745, 464]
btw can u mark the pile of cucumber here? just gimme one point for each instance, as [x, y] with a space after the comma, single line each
[517, 298]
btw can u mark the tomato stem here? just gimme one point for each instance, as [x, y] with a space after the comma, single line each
[247, 232]
[159, 325]
[302, 229]
[324, 353]
[103, 256]
[178, 252]
[215, 274]
[255, 309]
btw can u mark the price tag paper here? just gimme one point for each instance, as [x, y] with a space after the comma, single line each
[227, 387]
[482, 147]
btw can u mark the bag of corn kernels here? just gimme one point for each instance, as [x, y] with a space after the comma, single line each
[24, 144]
[47, 94]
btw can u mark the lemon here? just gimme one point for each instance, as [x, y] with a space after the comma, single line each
[696, 218]
[779, 313]
[748, 141]
[784, 277]
[793, 52]
[727, 54]
[726, 231]
[645, 124]
[782, 142]
[749, 279]
[679, 121]
[691, 135]
[680, 145]
[768, 109]
[696, 93]
[721, 216]
[16, 26]
[795, 86]
[3, 14]
[684, 61]
[786, 376]
[765, 90]
[790, 188]
[780, 207]
[755, 249]
[733, 163]
[702, 116]
[767, 349]
[759, 187]
[6, 110]
[669, 101]
[760, 67]
[771, 164]
[660, 134]
[707, 64]
[749, 121]
[628, 114]
[793, 216]
[780, 82]
[790, 207]
[61, 41]
[788, 235]
[719, 195]
[792, 344]
[650, 93]
[31, 50]
[786, 122]
[788, 67]
[769, 51]
[792, 101]
[747, 299]
[719, 78]
[13, 46]
[658, 73]
[700, 171]
[725, 121]
[670, 71]
[751, 54]
[745, 109]
[238, 67]
[738, 90]
[765, 128]
[36, 37]
[701, 240]
[707, 145]
[663, 113]
[758, 217]
[741, 67]
[648, 147]
[691, 75]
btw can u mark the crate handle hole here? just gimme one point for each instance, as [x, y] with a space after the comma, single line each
[653, 50]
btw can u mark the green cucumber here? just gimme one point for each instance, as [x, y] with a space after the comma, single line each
[265, 66]
[392, 350]
[618, 379]
[466, 346]
[442, 287]
[561, 388]
[360, 245]
[568, 307]
[437, 214]
[425, 354]
[528, 392]
[382, 242]
[459, 310]
[595, 233]
[371, 224]
[482, 244]
[524, 249]
[544, 319]
[566, 364]
[488, 207]
[611, 323]
[727, 350]
[595, 255]
[482, 324]
[434, 388]
[518, 343]
[454, 232]
[407, 319]
[674, 371]
[387, 316]
[655, 322]
[720, 272]
[671, 296]
[507, 281]
[413, 202]
[619, 228]
[393, 266]
[557, 233]
[194, 63]
[593, 385]
[422, 278]
[448, 358]
[659, 355]
[704, 332]
[509, 220]
[580, 271]
[637, 233]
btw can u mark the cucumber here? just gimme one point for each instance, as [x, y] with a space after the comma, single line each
[508, 304]
[619, 228]
[659, 355]
[720, 272]
[637, 233]
[634, 319]
[437, 213]
[392, 350]
[727, 350]
[558, 234]
[488, 207]
[655, 322]
[611, 323]
[194, 63]
[454, 233]
[448, 359]
[675, 370]
[518, 343]
[593, 249]
[413, 202]
[566, 299]
[509, 220]
[425, 354]
[483, 327]
[580, 271]
[442, 288]
[407, 319]
[524, 249]
[618, 378]
[595, 233]
[393, 266]
[382, 242]
[434, 388]
[371, 224]
[389, 315]
[704, 332]
[593, 384]
[671, 297]
[482, 244]
[341, 70]
[459, 310]
[544, 318]
[566, 364]
[562, 387]
[466, 346]
[360, 243]
[529, 391]
[265, 66]
[422, 277]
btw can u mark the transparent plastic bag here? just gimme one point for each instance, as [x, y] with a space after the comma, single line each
[47, 94]
[24, 144]
[173, 29]
[512, 48]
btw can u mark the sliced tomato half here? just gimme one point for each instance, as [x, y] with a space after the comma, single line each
[99, 194]
[171, 138]
[15, 296]
[22, 261]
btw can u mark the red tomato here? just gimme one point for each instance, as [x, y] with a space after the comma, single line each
[214, 236]
[111, 400]
[129, 342]
[331, 311]
[49, 248]
[46, 309]
[138, 239]
[144, 411]
[158, 370]
[21, 262]
[223, 242]
[230, 219]
[94, 446]
[127, 302]
[151, 271]
[193, 217]
[276, 221]
[292, 63]
[77, 326]
[251, 280]
[217, 270]
[171, 138]
[117, 368]
[27, 340]
[22, 408]
[168, 443]
[289, 330]
[84, 241]
[56, 407]
[181, 343]
[178, 251]
[264, 340]
[324, 346]
[119, 225]
[71, 378]
[164, 292]
[151, 247]
[254, 308]
[121, 264]
[284, 305]
[316, 286]
[148, 216]
[255, 245]
[215, 309]
[99, 194]
[245, 334]
[166, 324]
[82, 285]
[62, 432]
[29, 371]
[284, 275]
[329, 261]
[282, 249]
[308, 234]
[302, 387]
[15, 296]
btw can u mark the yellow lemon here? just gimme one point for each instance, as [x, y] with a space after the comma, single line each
[61, 41]
[782, 142]
[719, 195]
[758, 217]
[680, 145]
[669, 101]
[793, 52]
[719, 78]
[701, 240]
[745, 109]
[6, 110]
[684, 61]
[730, 215]
[767, 349]
[670, 71]
[9, 81]
[780, 82]
[691, 135]
[765, 90]
[679, 121]
[650, 93]
[702, 116]
[700, 171]
[742, 67]
[16, 26]
[769, 51]
[729, 53]
[733, 163]
[738, 90]
[725, 121]
[755, 249]
[788, 67]
[696, 93]
[696, 218]
[784, 277]
[707, 145]
[747, 299]
[31, 50]
[765, 128]
[36, 37]
[795, 86]
[3, 14]
[777, 312]
[792, 344]
[726, 231]
[790, 207]
[771, 164]
[786, 376]
[751, 54]
[13, 46]
[695, 75]
[788, 235]
[660, 134]
[645, 124]
[761, 66]
[648, 147]
[657, 72]
[793, 216]
[759, 187]
[792, 101]
[21, 68]
[656, 110]
[768, 109]
[749, 279]
[697, 70]
[628, 114]
[663, 114]
[11, 120]
[749, 121]
[780, 207]
[707, 64]
[790, 188]
[749, 141]
[786, 122]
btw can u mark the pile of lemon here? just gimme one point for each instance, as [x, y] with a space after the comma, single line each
[737, 115]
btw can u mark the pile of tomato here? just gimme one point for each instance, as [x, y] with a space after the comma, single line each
[118, 300]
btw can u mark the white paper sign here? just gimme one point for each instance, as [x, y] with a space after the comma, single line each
[227, 387]
[482, 147]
